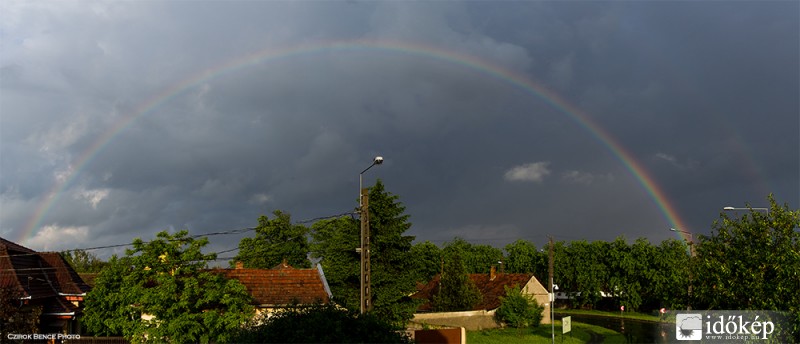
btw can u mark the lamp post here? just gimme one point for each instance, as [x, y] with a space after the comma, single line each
[729, 208]
[363, 209]
[691, 255]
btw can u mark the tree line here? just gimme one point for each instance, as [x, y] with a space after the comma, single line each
[752, 253]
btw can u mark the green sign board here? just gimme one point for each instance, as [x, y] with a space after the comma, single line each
[566, 324]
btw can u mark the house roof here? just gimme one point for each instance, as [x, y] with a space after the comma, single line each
[45, 278]
[282, 285]
[491, 289]
[65, 280]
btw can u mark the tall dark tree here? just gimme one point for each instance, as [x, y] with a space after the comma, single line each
[456, 291]
[427, 260]
[751, 261]
[335, 241]
[392, 265]
[275, 240]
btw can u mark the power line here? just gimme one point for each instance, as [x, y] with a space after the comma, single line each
[228, 232]
[188, 261]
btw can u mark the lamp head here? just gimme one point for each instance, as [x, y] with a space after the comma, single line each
[378, 160]
[729, 208]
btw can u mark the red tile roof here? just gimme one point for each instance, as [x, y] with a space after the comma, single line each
[283, 285]
[491, 289]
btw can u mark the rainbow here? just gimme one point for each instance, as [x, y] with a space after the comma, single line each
[472, 63]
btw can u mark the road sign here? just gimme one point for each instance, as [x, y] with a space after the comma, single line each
[566, 324]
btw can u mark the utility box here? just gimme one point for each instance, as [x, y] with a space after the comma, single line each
[441, 336]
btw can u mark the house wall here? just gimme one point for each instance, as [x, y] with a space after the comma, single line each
[540, 294]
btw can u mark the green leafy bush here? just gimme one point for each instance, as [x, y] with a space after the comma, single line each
[519, 310]
[322, 324]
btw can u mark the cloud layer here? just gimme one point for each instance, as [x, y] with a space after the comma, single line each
[703, 96]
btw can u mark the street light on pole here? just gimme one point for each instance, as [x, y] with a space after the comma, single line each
[377, 161]
[729, 208]
[363, 209]
[691, 254]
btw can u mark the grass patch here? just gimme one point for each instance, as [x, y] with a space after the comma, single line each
[581, 333]
[669, 317]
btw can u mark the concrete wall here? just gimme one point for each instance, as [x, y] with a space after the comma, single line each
[470, 320]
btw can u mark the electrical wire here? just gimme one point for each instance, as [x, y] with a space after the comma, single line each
[228, 232]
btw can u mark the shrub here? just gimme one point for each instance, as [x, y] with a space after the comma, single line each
[518, 309]
[322, 324]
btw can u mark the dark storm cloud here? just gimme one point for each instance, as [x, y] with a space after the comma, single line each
[704, 96]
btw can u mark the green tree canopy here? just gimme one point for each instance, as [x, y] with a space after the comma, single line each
[478, 259]
[393, 277]
[751, 261]
[584, 273]
[276, 239]
[626, 264]
[83, 261]
[638, 275]
[523, 257]
[456, 291]
[166, 279]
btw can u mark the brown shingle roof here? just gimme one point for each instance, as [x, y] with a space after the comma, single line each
[63, 277]
[44, 278]
[23, 269]
[491, 289]
[282, 286]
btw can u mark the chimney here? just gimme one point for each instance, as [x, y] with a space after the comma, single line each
[492, 273]
[239, 265]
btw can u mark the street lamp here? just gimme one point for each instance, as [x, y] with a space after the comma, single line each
[363, 209]
[377, 161]
[691, 254]
[729, 208]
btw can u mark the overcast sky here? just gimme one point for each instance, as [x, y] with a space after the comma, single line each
[496, 120]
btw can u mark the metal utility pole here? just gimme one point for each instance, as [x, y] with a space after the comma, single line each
[552, 293]
[363, 209]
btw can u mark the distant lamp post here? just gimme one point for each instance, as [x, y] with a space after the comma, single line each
[690, 242]
[729, 208]
[691, 254]
[363, 209]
